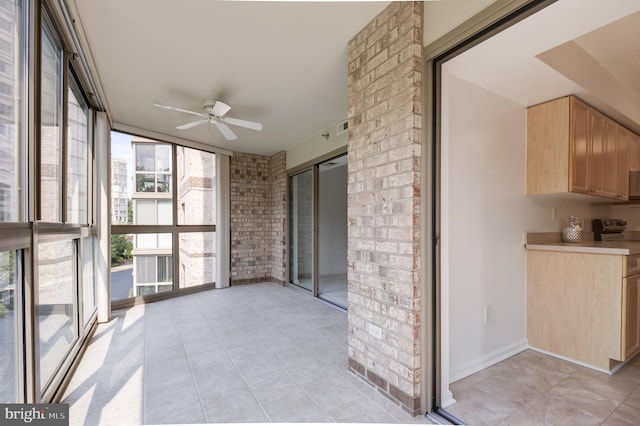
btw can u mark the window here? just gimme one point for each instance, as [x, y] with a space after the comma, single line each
[156, 270]
[138, 260]
[9, 117]
[198, 258]
[57, 309]
[46, 259]
[77, 158]
[51, 128]
[196, 187]
[88, 280]
[153, 212]
[153, 167]
[63, 255]
[10, 366]
[186, 235]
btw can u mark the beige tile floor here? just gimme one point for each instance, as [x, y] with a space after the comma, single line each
[253, 353]
[535, 389]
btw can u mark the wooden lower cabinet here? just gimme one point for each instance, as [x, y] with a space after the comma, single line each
[576, 308]
[631, 316]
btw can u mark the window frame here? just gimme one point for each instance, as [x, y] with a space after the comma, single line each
[175, 229]
[74, 86]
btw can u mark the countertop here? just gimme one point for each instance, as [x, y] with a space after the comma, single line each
[598, 247]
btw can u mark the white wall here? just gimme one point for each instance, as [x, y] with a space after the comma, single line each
[316, 147]
[440, 17]
[332, 243]
[630, 213]
[485, 213]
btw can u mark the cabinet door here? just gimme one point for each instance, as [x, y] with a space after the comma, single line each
[623, 140]
[579, 147]
[596, 156]
[630, 316]
[634, 153]
[610, 188]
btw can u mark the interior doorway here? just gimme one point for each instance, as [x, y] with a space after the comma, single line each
[332, 235]
[318, 230]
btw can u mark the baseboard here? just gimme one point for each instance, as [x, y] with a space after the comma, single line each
[580, 363]
[446, 399]
[487, 360]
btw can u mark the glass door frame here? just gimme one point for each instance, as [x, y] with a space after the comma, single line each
[314, 228]
[314, 167]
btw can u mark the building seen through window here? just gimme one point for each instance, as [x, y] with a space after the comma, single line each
[142, 182]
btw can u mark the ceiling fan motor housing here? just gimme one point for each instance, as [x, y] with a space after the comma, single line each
[208, 106]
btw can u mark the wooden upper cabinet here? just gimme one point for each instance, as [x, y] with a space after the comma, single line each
[611, 180]
[634, 153]
[572, 147]
[623, 139]
[580, 150]
[548, 147]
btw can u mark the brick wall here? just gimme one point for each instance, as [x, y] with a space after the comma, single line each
[278, 217]
[385, 108]
[301, 200]
[258, 216]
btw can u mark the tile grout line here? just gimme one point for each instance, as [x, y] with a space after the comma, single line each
[237, 369]
[291, 377]
[281, 366]
[193, 376]
[346, 369]
[279, 303]
[144, 371]
[328, 367]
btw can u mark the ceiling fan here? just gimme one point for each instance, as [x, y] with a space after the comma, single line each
[213, 113]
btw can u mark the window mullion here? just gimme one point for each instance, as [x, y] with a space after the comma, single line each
[176, 235]
[64, 96]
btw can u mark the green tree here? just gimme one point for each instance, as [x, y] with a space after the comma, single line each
[120, 249]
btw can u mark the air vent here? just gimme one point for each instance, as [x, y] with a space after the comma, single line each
[342, 127]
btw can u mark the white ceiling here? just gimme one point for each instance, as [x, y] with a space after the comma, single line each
[584, 47]
[283, 64]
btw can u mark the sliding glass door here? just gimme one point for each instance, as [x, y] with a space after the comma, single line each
[332, 231]
[318, 230]
[301, 237]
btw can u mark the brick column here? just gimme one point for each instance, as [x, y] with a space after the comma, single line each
[385, 115]
[279, 217]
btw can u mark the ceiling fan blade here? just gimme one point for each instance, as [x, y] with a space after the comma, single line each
[193, 124]
[220, 109]
[199, 114]
[243, 123]
[226, 131]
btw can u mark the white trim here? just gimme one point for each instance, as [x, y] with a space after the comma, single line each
[580, 363]
[223, 231]
[103, 217]
[444, 242]
[447, 399]
[488, 360]
[137, 131]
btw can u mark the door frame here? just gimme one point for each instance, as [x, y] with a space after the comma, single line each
[314, 167]
[435, 335]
